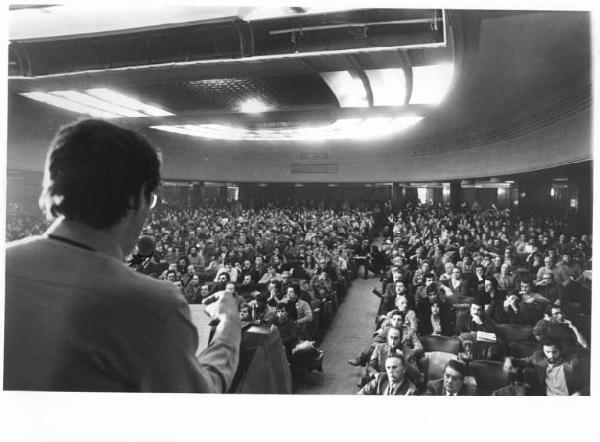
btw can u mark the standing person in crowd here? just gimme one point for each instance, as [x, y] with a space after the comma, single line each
[114, 329]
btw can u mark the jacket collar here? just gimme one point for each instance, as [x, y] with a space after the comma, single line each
[98, 240]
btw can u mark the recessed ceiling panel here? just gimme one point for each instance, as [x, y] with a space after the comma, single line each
[227, 94]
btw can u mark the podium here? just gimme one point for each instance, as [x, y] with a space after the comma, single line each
[263, 367]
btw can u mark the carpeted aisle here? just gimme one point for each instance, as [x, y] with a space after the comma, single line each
[351, 331]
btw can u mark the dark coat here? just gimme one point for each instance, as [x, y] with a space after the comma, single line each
[379, 385]
[436, 388]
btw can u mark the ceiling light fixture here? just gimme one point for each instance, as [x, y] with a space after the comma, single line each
[431, 83]
[253, 106]
[98, 103]
[69, 105]
[94, 102]
[348, 128]
[128, 102]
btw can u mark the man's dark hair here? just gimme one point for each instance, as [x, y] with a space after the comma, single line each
[399, 356]
[387, 332]
[95, 170]
[551, 307]
[551, 342]
[457, 366]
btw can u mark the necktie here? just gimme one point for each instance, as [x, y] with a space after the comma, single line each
[391, 389]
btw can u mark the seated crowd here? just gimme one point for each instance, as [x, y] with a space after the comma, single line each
[289, 267]
[472, 302]
[495, 303]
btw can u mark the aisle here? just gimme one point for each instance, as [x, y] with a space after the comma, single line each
[350, 332]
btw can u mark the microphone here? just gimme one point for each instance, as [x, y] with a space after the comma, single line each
[145, 250]
[145, 245]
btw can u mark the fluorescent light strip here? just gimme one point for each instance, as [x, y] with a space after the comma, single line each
[128, 102]
[349, 128]
[63, 103]
[100, 103]
[87, 100]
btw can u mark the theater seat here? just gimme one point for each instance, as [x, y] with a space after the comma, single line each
[459, 301]
[584, 324]
[433, 363]
[515, 332]
[489, 375]
[573, 308]
[522, 349]
[445, 344]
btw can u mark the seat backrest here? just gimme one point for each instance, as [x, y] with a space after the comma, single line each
[490, 375]
[515, 332]
[440, 343]
[433, 363]
[460, 300]
[573, 308]
[522, 349]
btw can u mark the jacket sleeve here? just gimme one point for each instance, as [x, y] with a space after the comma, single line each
[373, 365]
[582, 375]
[411, 319]
[173, 366]
[307, 314]
[417, 345]
[370, 388]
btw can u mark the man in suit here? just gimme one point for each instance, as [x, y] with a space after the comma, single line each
[553, 372]
[393, 381]
[453, 382]
[456, 285]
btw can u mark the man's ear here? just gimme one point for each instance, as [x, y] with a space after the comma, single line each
[136, 201]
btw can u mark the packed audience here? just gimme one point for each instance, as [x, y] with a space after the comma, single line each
[462, 293]
[478, 302]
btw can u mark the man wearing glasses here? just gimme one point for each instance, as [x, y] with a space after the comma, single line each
[77, 318]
